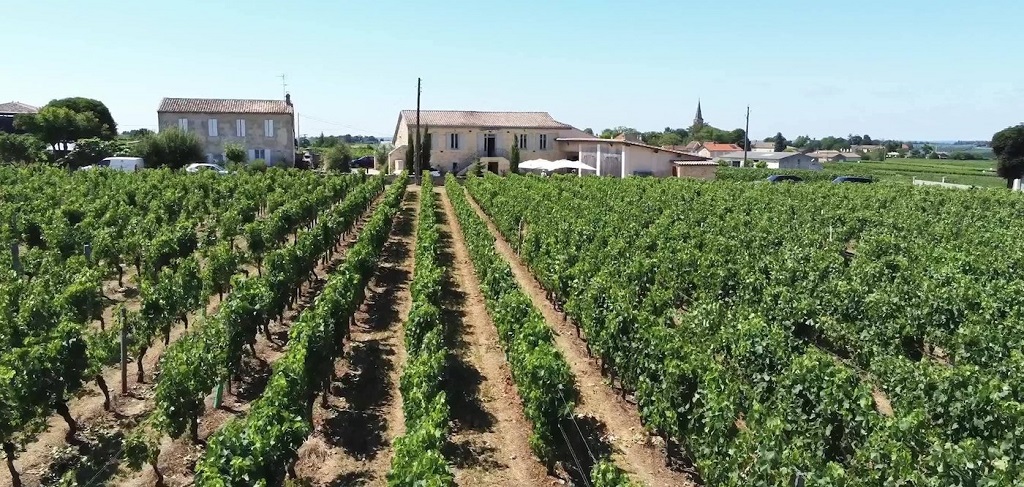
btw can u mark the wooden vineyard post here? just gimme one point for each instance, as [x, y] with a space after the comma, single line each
[124, 353]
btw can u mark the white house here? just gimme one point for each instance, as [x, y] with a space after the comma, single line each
[774, 160]
[620, 158]
[459, 138]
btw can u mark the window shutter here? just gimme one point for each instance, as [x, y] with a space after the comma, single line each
[252, 155]
[211, 126]
[240, 128]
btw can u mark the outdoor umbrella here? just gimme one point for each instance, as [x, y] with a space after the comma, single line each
[535, 164]
[567, 164]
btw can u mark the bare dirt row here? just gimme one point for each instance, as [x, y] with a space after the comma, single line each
[351, 444]
[489, 444]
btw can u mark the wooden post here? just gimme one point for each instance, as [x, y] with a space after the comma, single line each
[15, 260]
[124, 352]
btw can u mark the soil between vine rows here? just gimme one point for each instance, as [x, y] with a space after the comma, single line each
[351, 443]
[489, 444]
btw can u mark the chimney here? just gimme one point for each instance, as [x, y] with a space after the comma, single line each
[288, 98]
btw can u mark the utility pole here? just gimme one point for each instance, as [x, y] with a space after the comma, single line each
[746, 138]
[419, 142]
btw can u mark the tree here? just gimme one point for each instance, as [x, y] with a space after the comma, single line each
[589, 130]
[425, 147]
[866, 140]
[92, 150]
[57, 126]
[107, 129]
[672, 138]
[171, 148]
[137, 133]
[1008, 147]
[780, 143]
[235, 153]
[380, 157]
[801, 141]
[513, 158]
[21, 149]
[338, 158]
[410, 155]
[855, 139]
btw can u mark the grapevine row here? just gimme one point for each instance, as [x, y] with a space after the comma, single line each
[198, 361]
[49, 349]
[542, 376]
[418, 458]
[725, 322]
[260, 447]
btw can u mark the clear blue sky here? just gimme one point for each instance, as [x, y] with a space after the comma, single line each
[908, 69]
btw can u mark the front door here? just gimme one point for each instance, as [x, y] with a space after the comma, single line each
[490, 145]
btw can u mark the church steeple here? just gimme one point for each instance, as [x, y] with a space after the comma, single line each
[698, 121]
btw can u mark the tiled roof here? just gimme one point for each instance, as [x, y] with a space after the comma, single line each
[457, 118]
[713, 147]
[17, 107]
[215, 105]
[760, 156]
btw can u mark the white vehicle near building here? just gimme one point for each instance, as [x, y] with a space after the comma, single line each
[125, 164]
[205, 166]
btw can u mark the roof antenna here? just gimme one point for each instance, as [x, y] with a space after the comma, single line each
[284, 85]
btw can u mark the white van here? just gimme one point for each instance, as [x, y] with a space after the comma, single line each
[126, 164]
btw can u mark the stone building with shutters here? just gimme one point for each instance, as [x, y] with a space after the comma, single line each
[265, 128]
[460, 138]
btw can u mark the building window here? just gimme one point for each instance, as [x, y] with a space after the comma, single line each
[183, 124]
[212, 126]
[259, 154]
[522, 141]
[542, 142]
[268, 128]
[239, 128]
[453, 141]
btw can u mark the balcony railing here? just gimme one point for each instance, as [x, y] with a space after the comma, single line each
[497, 152]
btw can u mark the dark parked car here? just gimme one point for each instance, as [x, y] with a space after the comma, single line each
[365, 162]
[851, 179]
[783, 178]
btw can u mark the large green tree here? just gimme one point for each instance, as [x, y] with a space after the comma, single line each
[780, 142]
[1008, 147]
[171, 148]
[21, 148]
[108, 128]
[338, 158]
[58, 126]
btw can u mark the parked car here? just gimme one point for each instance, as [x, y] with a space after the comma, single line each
[851, 179]
[205, 166]
[365, 162]
[783, 178]
[126, 164]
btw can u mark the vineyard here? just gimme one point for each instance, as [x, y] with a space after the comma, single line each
[294, 328]
[804, 334]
